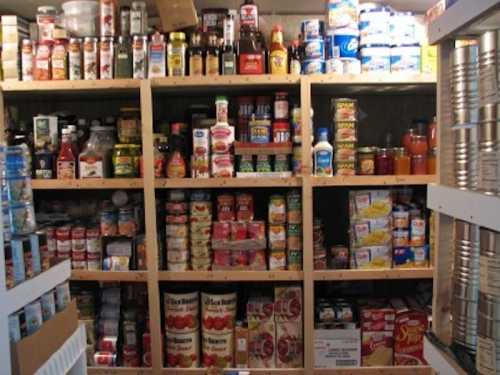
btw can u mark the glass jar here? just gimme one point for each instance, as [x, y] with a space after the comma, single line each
[407, 137]
[366, 161]
[123, 58]
[176, 54]
[418, 145]
[124, 161]
[384, 162]
[138, 18]
[135, 151]
[402, 162]
[95, 160]
[431, 161]
[419, 164]
[129, 125]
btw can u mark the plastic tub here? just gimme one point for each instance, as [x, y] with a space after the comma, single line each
[80, 17]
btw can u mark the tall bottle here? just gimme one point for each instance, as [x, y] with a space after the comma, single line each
[212, 57]
[294, 57]
[249, 15]
[278, 54]
[228, 54]
[323, 155]
[108, 10]
[66, 163]
[195, 53]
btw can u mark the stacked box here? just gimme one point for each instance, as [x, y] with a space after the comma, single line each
[371, 229]
[177, 230]
[345, 143]
[201, 230]
[261, 333]
[14, 29]
[377, 336]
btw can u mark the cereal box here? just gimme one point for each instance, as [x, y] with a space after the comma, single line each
[289, 345]
[288, 303]
[261, 344]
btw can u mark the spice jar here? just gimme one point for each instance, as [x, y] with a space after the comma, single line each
[431, 161]
[124, 162]
[129, 125]
[281, 131]
[176, 54]
[384, 162]
[138, 18]
[43, 70]
[366, 160]
[419, 164]
[402, 161]
[60, 60]
[418, 145]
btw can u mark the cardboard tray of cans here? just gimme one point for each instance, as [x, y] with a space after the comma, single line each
[245, 148]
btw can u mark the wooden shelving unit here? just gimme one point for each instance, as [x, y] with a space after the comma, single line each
[302, 85]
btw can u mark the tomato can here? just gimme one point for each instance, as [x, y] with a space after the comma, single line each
[63, 238]
[183, 349]
[181, 312]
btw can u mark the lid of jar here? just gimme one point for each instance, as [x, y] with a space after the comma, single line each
[135, 146]
[417, 137]
[177, 35]
[399, 150]
[100, 128]
[367, 150]
[46, 9]
[139, 4]
[281, 93]
[130, 109]
[123, 145]
[221, 98]
[418, 156]
[384, 150]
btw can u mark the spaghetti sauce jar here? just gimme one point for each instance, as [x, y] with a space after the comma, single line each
[366, 160]
[402, 161]
[384, 162]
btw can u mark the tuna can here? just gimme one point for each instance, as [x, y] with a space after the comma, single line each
[312, 29]
[343, 43]
[405, 59]
[313, 66]
[375, 59]
[314, 49]
[374, 27]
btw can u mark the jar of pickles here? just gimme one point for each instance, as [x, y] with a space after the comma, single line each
[402, 163]
[129, 125]
[384, 162]
[366, 161]
[125, 161]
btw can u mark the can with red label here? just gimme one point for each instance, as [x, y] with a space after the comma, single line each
[63, 238]
[51, 239]
[105, 359]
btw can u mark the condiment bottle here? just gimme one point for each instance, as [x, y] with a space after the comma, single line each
[323, 155]
[278, 54]
[123, 58]
[176, 165]
[108, 10]
[249, 15]
[60, 60]
[294, 58]
[212, 57]
[251, 58]
[176, 54]
[157, 54]
[195, 53]
[66, 169]
[229, 55]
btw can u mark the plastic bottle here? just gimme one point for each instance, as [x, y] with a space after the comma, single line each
[66, 166]
[323, 155]
[278, 53]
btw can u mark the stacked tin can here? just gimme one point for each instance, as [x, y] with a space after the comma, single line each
[489, 112]
[345, 117]
[294, 230]
[465, 285]
[342, 37]
[201, 230]
[177, 232]
[465, 103]
[314, 46]
[488, 341]
[320, 260]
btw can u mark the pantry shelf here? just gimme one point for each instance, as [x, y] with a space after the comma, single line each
[108, 86]
[389, 274]
[198, 183]
[465, 17]
[231, 276]
[106, 183]
[125, 276]
[373, 180]
[255, 371]
[118, 371]
[473, 207]
[226, 81]
[388, 370]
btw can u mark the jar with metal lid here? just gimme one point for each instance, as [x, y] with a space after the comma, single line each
[402, 162]
[176, 54]
[384, 162]
[281, 106]
[129, 125]
[418, 145]
[366, 161]
[47, 17]
[419, 164]
[123, 58]
[124, 161]
[138, 18]
[124, 20]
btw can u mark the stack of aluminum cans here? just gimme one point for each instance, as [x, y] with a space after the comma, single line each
[465, 285]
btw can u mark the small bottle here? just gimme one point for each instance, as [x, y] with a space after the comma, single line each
[294, 58]
[125, 21]
[323, 155]
[157, 56]
[66, 169]
[195, 53]
[212, 57]
[229, 55]
[249, 15]
[278, 54]
[123, 58]
[176, 55]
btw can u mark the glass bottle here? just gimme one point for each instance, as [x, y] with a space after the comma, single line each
[402, 162]
[278, 54]
[384, 162]
[228, 54]
[195, 53]
[212, 57]
[294, 58]
[66, 169]
[249, 15]
[123, 58]
[157, 56]
[176, 54]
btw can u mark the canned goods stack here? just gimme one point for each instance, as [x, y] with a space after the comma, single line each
[294, 230]
[342, 37]
[488, 340]
[108, 328]
[222, 139]
[320, 259]
[314, 46]
[177, 231]
[345, 114]
[466, 156]
[201, 230]
[465, 285]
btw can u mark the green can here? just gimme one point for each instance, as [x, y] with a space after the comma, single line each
[246, 164]
[281, 163]
[294, 207]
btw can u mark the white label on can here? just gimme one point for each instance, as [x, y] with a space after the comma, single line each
[486, 356]
[489, 277]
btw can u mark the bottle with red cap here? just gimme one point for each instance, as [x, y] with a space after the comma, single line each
[278, 54]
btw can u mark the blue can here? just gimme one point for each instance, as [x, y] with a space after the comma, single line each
[313, 66]
[347, 41]
[314, 49]
[312, 29]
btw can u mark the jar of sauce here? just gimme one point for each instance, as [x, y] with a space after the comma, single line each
[129, 125]
[431, 161]
[384, 162]
[124, 161]
[418, 145]
[419, 164]
[366, 161]
[407, 137]
[402, 162]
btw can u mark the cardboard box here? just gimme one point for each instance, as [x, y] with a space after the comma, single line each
[289, 345]
[176, 14]
[409, 331]
[33, 351]
[335, 348]
[377, 348]
[261, 344]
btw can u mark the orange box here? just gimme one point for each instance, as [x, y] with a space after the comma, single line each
[409, 331]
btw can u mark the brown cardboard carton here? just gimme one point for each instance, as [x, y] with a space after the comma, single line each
[176, 14]
[33, 351]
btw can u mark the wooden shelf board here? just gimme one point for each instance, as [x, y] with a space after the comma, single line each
[388, 274]
[110, 85]
[105, 183]
[373, 79]
[118, 371]
[378, 370]
[231, 276]
[197, 183]
[228, 81]
[126, 276]
[259, 371]
[374, 180]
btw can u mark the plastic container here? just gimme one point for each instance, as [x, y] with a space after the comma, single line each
[375, 59]
[81, 17]
[403, 28]
[345, 43]
[374, 26]
[314, 49]
[313, 66]
[405, 59]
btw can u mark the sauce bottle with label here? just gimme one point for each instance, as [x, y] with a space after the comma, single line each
[212, 57]
[228, 54]
[249, 15]
[278, 54]
[66, 168]
[323, 155]
[195, 53]
[176, 54]
[251, 57]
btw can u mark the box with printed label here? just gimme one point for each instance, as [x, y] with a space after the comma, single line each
[337, 348]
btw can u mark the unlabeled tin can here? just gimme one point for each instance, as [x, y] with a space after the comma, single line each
[464, 74]
[488, 149]
[489, 56]
[465, 157]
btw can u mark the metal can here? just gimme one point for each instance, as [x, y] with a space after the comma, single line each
[140, 56]
[294, 237]
[75, 59]
[127, 226]
[63, 238]
[27, 60]
[109, 222]
[281, 163]
[106, 58]
[297, 160]
[294, 207]
[90, 61]
[263, 164]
